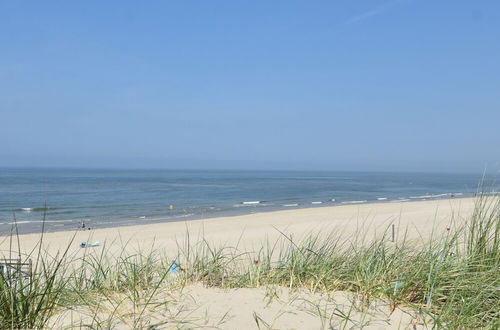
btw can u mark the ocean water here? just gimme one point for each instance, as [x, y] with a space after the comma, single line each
[104, 198]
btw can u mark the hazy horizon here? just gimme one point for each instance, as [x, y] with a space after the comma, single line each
[395, 85]
[489, 173]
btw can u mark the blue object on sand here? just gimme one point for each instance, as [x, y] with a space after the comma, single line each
[174, 268]
[87, 244]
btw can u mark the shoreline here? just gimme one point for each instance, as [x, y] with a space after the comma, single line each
[421, 217]
[136, 221]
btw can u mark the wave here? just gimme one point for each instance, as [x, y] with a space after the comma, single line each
[316, 202]
[36, 209]
[354, 202]
[420, 197]
[184, 215]
[382, 198]
[436, 195]
[289, 205]
[38, 221]
[251, 203]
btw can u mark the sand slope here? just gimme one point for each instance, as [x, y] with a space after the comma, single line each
[200, 307]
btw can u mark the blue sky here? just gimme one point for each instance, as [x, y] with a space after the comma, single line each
[407, 85]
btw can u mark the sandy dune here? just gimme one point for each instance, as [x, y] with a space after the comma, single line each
[200, 307]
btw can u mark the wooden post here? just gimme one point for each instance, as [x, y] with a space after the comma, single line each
[30, 271]
[393, 233]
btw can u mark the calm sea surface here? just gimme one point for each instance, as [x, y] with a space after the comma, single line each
[103, 198]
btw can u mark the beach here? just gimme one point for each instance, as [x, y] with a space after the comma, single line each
[200, 298]
[417, 220]
[250, 165]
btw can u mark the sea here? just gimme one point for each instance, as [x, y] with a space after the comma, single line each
[66, 199]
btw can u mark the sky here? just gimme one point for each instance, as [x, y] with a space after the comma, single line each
[362, 85]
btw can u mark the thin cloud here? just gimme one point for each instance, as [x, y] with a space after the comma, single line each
[373, 12]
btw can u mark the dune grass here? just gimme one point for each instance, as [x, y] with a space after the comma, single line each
[452, 280]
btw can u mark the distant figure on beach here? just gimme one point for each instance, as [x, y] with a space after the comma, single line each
[170, 207]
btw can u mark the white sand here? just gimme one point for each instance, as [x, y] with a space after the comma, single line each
[198, 307]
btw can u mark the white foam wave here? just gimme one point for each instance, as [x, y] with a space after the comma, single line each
[250, 203]
[289, 205]
[40, 221]
[420, 197]
[354, 202]
[382, 198]
[316, 202]
[434, 195]
[184, 215]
